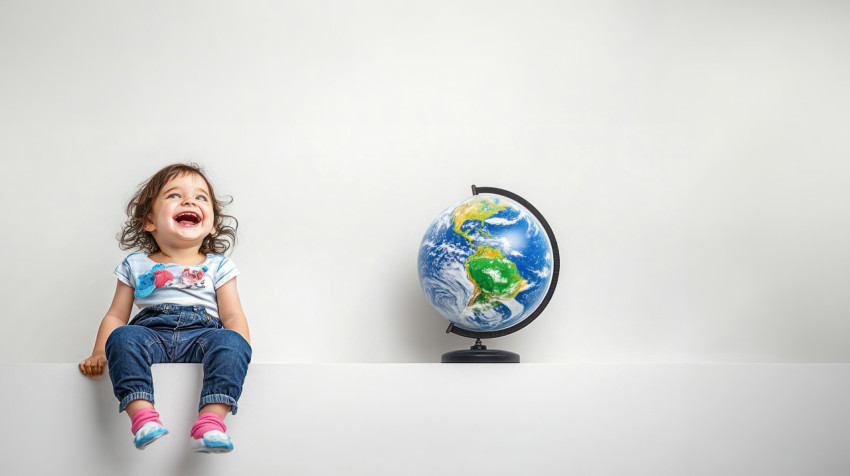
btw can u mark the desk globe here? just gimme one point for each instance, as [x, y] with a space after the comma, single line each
[489, 265]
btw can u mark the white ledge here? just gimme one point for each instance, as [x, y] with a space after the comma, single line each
[447, 419]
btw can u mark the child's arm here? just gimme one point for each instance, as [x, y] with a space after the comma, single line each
[230, 309]
[117, 316]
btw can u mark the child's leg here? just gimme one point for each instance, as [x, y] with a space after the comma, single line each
[225, 360]
[135, 406]
[226, 357]
[219, 409]
[130, 352]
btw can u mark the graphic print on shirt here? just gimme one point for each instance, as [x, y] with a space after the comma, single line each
[194, 277]
[157, 277]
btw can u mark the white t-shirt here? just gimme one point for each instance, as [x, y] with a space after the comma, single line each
[156, 283]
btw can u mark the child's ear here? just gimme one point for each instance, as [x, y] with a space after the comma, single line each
[149, 226]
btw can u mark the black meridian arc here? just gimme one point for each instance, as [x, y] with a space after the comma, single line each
[556, 268]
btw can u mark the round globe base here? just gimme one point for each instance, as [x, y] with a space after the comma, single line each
[480, 356]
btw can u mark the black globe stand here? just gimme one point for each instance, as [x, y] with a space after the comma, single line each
[480, 354]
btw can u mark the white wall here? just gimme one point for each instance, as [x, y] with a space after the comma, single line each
[692, 159]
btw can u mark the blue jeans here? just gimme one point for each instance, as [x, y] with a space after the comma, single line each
[170, 333]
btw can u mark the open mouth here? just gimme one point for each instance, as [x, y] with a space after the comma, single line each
[187, 218]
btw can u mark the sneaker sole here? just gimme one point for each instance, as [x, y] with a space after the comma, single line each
[151, 438]
[210, 446]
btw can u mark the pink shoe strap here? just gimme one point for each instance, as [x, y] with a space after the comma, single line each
[207, 422]
[145, 415]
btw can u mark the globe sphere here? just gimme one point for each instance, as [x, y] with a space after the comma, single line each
[485, 264]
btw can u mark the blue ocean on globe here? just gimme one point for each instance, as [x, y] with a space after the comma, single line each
[485, 264]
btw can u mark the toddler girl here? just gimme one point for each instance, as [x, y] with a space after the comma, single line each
[190, 308]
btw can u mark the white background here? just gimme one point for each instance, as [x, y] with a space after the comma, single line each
[691, 157]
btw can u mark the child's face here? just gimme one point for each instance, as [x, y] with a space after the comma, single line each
[182, 214]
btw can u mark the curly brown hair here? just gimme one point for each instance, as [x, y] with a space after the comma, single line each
[134, 237]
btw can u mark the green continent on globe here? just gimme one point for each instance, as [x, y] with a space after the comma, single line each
[495, 277]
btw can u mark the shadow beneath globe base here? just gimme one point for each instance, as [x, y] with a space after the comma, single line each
[480, 354]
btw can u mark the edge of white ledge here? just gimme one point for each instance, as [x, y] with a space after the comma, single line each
[446, 419]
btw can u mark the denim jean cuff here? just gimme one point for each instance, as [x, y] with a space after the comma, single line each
[219, 398]
[134, 396]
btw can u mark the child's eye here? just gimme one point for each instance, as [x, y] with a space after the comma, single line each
[201, 197]
[173, 195]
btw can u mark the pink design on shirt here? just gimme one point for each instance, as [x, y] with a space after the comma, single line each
[193, 278]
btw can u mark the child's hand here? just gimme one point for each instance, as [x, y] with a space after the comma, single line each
[93, 366]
